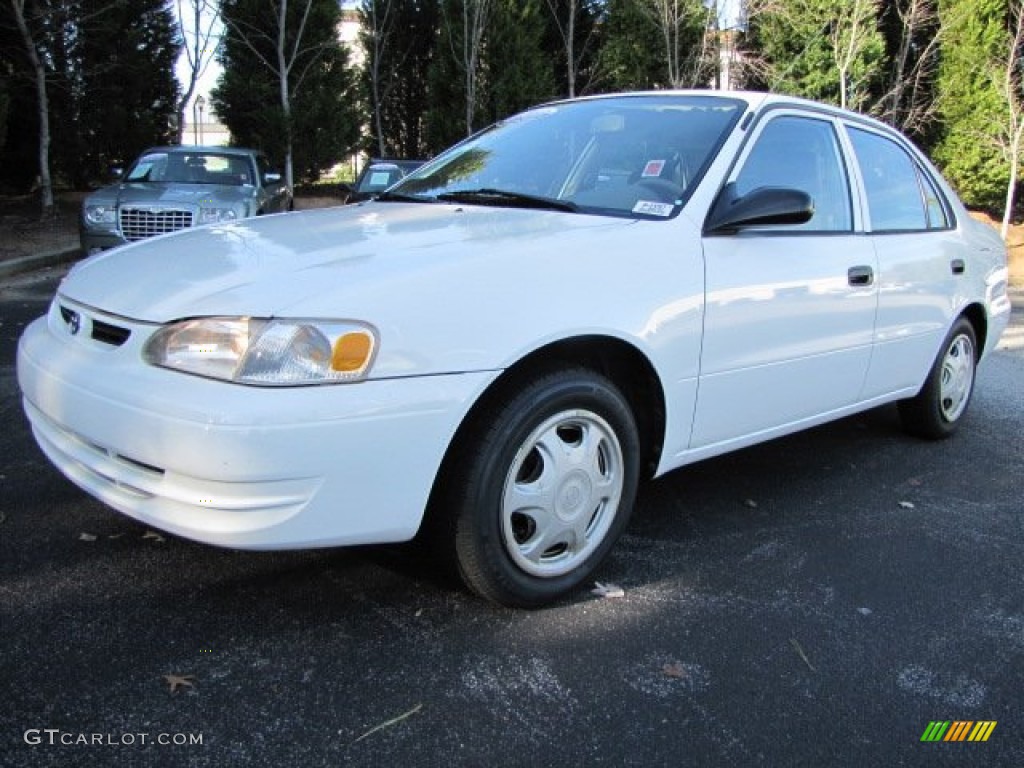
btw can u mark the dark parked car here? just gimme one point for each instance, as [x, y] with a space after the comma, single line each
[172, 188]
[379, 174]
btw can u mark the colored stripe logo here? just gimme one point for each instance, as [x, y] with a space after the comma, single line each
[958, 730]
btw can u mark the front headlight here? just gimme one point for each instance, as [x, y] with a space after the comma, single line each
[100, 214]
[216, 215]
[266, 352]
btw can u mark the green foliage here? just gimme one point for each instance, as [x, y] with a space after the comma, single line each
[512, 72]
[632, 52]
[517, 72]
[323, 125]
[402, 33]
[975, 38]
[126, 85]
[586, 30]
[810, 46]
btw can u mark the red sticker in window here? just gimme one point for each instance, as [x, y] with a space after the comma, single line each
[653, 168]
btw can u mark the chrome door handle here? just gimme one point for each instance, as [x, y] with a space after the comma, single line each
[860, 276]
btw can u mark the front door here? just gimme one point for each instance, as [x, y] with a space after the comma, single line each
[790, 309]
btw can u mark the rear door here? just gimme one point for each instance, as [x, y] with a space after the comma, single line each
[920, 258]
[790, 310]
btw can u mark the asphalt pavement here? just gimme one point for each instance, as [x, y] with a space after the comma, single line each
[819, 600]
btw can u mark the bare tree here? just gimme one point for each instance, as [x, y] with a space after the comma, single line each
[854, 24]
[200, 46]
[42, 104]
[567, 32]
[675, 21]
[378, 21]
[282, 64]
[908, 103]
[467, 48]
[1011, 88]
[843, 31]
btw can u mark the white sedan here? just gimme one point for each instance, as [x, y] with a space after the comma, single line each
[494, 353]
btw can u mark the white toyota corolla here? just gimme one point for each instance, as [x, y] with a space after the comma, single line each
[499, 348]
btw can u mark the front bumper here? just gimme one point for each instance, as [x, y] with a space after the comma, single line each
[98, 239]
[236, 466]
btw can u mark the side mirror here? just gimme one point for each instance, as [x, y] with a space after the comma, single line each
[759, 207]
[271, 178]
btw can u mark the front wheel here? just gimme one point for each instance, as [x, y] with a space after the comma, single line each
[542, 489]
[937, 410]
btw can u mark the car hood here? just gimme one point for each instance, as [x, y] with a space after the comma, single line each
[170, 193]
[339, 262]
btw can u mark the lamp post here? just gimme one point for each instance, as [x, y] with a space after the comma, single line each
[200, 103]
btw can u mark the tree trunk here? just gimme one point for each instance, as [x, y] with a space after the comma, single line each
[1011, 188]
[43, 104]
[286, 106]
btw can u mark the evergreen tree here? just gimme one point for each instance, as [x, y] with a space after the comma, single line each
[517, 70]
[572, 42]
[286, 87]
[630, 50]
[109, 75]
[399, 38]
[127, 91]
[827, 50]
[974, 36]
[490, 62]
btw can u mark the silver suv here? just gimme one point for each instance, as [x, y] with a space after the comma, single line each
[172, 188]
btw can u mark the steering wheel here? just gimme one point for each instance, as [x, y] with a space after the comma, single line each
[665, 191]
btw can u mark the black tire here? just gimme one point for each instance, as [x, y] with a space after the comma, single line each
[937, 410]
[567, 439]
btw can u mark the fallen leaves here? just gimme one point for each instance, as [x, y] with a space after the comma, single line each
[801, 654]
[608, 590]
[674, 670]
[389, 723]
[179, 681]
[154, 536]
[906, 505]
[87, 536]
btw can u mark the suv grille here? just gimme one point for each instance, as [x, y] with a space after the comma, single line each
[138, 223]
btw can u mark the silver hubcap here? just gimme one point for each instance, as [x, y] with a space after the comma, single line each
[561, 493]
[957, 378]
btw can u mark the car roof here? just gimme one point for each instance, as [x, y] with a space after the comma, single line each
[756, 101]
[198, 148]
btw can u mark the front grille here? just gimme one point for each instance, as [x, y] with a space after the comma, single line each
[138, 223]
[109, 334]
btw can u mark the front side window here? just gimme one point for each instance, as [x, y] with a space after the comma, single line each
[801, 153]
[637, 156]
[892, 183]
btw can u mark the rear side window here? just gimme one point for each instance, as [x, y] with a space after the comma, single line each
[900, 197]
[802, 153]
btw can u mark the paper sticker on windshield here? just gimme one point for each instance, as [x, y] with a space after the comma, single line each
[651, 208]
[653, 169]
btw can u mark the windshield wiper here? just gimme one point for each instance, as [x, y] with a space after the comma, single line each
[401, 197]
[501, 197]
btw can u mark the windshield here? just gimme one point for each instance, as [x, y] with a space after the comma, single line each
[379, 177]
[192, 168]
[637, 156]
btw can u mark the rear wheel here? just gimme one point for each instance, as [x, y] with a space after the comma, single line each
[939, 407]
[539, 493]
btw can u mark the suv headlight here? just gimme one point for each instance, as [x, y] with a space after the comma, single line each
[216, 215]
[100, 214]
[266, 352]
